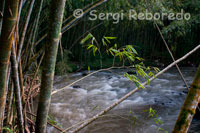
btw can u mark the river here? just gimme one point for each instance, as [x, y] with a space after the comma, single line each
[83, 100]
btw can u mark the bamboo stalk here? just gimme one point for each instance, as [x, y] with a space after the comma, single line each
[6, 41]
[21, 81]
[2, 5]
[27, 52]
[54, 34]
[189, 107]
[24, 31]
[132, 92]
[36, 27]
[70, 24]
[84, 8]
[10, 101]
[37, 20]
[7, 85]
[15, 76]
[20, 10]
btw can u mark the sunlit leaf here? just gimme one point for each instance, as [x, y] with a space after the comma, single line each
[86, 38]
[88, 69]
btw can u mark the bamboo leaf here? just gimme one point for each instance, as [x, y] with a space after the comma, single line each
[90, 46]
[88, 69]
[86, 38]
[109, 38]
[94, 50]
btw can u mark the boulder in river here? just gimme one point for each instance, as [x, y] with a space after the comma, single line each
[131, 72]
[76, 86]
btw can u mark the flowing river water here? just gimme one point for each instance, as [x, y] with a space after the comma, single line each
[86, 98]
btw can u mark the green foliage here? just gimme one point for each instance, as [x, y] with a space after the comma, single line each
[133, 118]
[135, 79]
[180, 35]
[152, 114]
[7, 129]
[125, 53]
[142, 71]
[53, 121]
[97, 107]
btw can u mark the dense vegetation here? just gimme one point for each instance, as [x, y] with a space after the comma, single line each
[180, 35]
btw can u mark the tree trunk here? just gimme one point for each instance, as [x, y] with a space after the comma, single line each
[189, 107]
[6, 41]
[51, 49]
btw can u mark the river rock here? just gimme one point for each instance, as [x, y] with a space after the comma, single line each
[84, 74]
[76, 86]
[131, 72]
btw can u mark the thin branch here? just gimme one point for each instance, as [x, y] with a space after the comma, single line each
[85, 34]
[171, 55]
[79, 123]
[169, 50]
[70, 24]
[90, 74]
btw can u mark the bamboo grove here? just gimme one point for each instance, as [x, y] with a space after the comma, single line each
[43, 35]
